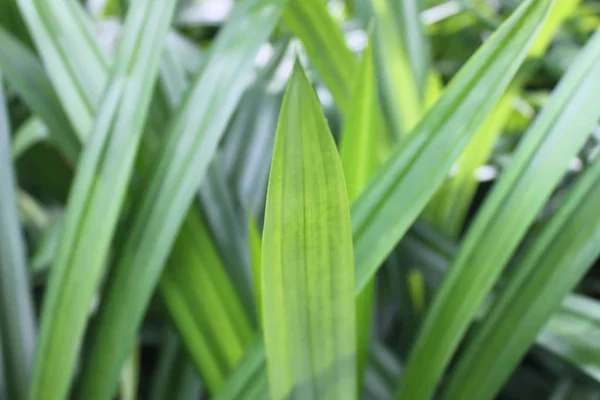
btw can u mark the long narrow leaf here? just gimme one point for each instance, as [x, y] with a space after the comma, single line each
[202, 302]
[434, 252]
[399, 191]
[540, 162]
[63, 46]
[400, 82]
[449, 208]
[359, 156]
[307, 265]
[170, 188]
[519, 312]
[17, 323]
[96, 198]
[187, 256]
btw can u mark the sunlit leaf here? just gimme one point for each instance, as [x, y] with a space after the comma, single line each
[307, 263]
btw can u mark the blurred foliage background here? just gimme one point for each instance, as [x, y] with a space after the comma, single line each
[430, 40]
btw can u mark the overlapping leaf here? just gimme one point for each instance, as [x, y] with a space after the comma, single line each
[96, 198]
[17, 319]
[560, 254]
[170, 188]
[399, 191]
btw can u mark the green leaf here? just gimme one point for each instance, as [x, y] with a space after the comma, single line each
[203, 304]
[400, 81]
[325, 45]
[415, 41]
[433, 253]
[420, 163]
[94, 203]
[561, 253]
[169, 188]
[27, 76]
[307, 274]
[58, 30]
[359, 156]
[174, 83]
[214, 325]
[538, 165]
[307, 263]
[361, 136]
[556, 260]
[17, 319]
[450, 206]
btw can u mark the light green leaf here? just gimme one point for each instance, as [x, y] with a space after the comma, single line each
[450, 206]
[203, 304]
[361, 134]
[538, 165]
[561, 252]
[17, 319]
[359, 147]
[96, 198]
[415, 42]
[174, 83]
[401, 84]
[307, 264]
[72, 35]
[402, 187]
[433, 253]
[169, 188]
[553, 264]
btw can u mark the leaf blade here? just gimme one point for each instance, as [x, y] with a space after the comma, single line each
[17, 321]
[96, 198]
[408, 179]
[307, 229]
[171, 186]
[544, 271]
